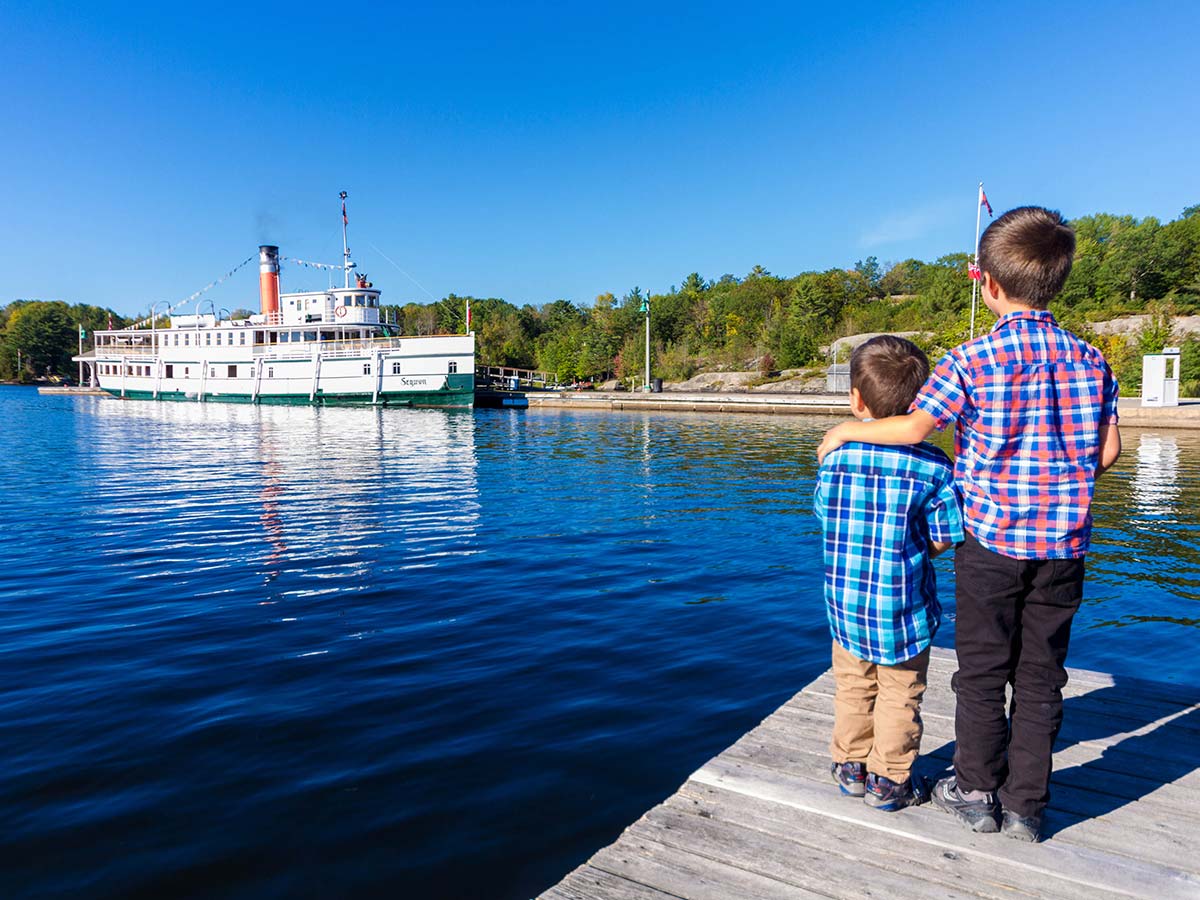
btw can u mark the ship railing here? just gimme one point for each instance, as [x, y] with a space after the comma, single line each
[126, 350]
[329, 349]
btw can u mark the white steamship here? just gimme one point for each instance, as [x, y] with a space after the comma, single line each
[315, 347]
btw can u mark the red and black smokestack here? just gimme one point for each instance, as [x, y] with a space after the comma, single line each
[268, 278]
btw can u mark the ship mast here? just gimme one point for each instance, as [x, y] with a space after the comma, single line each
[346, 265]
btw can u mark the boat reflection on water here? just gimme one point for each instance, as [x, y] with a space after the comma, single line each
[272, 521]
[311, 499]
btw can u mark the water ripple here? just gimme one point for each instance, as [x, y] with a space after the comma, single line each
[277, 652]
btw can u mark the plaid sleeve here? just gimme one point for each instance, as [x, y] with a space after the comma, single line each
[944, 395]
[1108, 411]
[819, 498]
[943, 512]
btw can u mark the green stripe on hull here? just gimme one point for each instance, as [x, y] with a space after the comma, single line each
[451, 399]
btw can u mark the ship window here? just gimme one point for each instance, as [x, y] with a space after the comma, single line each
[208, 339]
[259, 337]
[187, 340]
[270, 371]
[242, 338]
[310, 335]
[212, 373]
[395, 368]
[452, 368]
[218, 339]
[296, 336]
[176, 340]
[366, 368]
[186, 371]
[233, 371]
[170, 370]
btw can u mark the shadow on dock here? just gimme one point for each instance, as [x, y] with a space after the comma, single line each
[763, 819]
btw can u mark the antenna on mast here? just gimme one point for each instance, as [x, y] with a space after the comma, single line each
[347, 264]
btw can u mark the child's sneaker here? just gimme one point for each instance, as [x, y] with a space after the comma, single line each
[851, 777]
[884, 794]
[977, 814]
[1022, 828]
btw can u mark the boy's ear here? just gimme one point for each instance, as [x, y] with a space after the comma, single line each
[991, 285]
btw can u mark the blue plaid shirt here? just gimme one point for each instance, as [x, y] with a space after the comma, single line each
[879, 509]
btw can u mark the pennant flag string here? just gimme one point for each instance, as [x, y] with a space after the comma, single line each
[313, 265]
[189, 299]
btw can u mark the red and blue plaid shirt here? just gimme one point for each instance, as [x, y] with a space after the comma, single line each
[1029, 399]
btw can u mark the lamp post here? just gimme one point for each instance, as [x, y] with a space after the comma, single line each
[82, 335]
[646, 310]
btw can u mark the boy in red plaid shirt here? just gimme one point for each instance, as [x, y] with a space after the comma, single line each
[1035, 410]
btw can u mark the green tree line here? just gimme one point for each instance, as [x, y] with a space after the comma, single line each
[39, 337]
[1123, 265]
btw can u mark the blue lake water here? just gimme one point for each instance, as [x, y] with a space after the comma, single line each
[267, 652]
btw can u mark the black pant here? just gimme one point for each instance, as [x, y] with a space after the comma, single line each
[1013, 626]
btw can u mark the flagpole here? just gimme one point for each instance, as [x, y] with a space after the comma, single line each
[975, 281]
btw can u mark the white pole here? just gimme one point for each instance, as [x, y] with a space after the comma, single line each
[975, 261]
[647, 301]
[345, 248]
[80, 330]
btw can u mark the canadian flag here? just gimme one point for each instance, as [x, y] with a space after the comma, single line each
[973, 271]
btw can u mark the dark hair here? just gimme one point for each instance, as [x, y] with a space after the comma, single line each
[1029, 251]
[888, 371]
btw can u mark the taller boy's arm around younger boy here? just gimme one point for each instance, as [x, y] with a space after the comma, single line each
[907, 429]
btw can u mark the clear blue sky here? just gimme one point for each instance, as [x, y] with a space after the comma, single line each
[560, 150]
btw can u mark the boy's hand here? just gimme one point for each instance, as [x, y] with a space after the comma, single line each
[832, 440]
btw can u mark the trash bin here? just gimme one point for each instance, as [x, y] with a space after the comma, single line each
[514, 382]
[656, 386]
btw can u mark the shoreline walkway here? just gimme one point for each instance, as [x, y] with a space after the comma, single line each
[763, 819]
[1132, 413]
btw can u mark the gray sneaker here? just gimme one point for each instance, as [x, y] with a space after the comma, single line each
[979, 815]
[851, 777]
[1022, 828]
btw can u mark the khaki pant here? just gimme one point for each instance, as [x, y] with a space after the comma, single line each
[877, 713]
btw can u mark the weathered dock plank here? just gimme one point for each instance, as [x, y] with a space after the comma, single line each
[763, 819]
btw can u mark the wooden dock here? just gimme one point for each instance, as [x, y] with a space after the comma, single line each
[764, 820]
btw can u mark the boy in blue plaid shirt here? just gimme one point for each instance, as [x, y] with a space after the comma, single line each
[885, 512]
